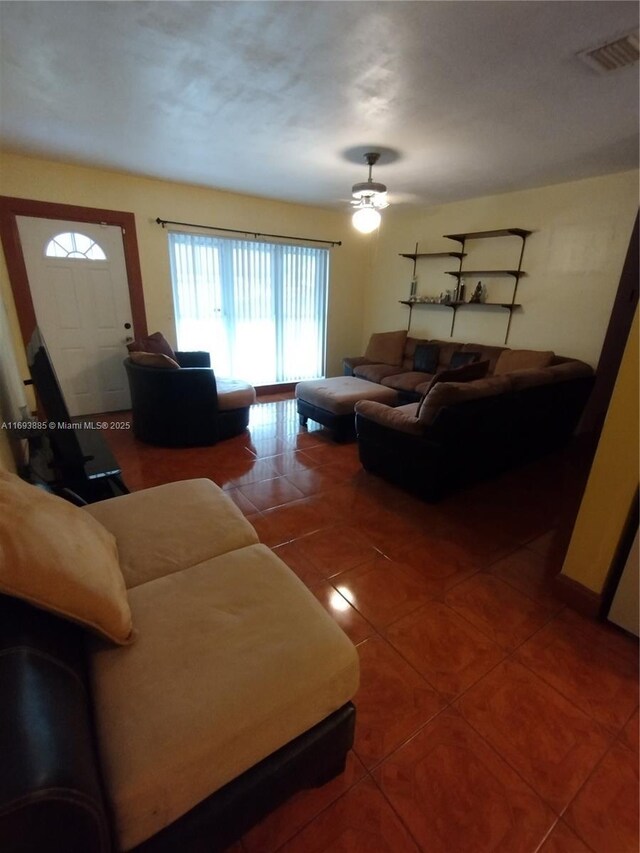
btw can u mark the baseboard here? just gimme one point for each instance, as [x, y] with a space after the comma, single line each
[578, 597]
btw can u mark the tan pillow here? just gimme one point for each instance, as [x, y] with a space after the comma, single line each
[153, 359]
[522, 359]
[61, 559]
[386, 347]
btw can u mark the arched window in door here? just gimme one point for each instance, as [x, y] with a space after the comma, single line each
[74, 245]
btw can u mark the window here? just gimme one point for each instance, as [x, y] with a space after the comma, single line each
[74, 245]
[258, 308]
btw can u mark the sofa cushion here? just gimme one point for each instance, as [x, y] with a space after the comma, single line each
[235, 657]
[425, 358]
[376, 372]
[153, 343]
[562, 372]
[406, 381]
[522, 359]
[487, 353]
[386, 347]
[573, 369]
[531, 377]
[352, 361]
[467, 373]
[170, 527]
[400, 418]
[154, 359]
[234, 394]
[461, 358]
[58, 558]
[450, 393]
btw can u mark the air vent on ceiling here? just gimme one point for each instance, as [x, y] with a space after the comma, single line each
[619, 53]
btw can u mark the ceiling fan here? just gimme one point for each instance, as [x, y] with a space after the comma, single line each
[368, 198]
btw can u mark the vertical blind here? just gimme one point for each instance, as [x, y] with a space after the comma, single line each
[258, 308]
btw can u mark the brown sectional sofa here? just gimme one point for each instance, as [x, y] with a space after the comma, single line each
[449, 432]
[400, 350]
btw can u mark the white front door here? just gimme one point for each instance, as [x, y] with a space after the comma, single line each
[78, 281]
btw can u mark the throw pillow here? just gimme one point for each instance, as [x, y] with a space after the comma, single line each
[59, 558]
[153, 343]
[461, 359]
[466, 373]
[522, 359]
[154, 359]
[386, 348]
[425, 359]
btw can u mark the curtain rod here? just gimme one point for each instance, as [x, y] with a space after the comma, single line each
[255, 234]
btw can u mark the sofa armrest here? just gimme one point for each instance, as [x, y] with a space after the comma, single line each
[50, 788]
[401, 418]
[198, 358]
[350, 362]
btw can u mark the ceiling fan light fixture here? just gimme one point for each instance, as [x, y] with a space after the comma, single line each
[366, 219]
[369, 197]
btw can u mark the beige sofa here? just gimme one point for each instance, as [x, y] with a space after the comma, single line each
[233, 691]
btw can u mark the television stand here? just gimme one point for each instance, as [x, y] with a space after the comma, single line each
[81, 464]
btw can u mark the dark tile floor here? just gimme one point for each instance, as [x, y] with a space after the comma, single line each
[490, 717]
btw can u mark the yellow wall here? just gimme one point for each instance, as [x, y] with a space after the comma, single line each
[573, 259]
[612, 482]
[44, 180]
[573, 262]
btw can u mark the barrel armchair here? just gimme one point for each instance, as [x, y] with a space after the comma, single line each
[184, 404]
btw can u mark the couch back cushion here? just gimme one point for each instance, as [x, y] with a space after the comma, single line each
[450, 393]
[461, 358]
[487, 353]
[531, 377]
[154, 359]
[153, 343]
[573, 369]
[522, 359]
[58, 558]
[386, 347]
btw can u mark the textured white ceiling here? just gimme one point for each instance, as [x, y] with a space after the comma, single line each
[266, 97]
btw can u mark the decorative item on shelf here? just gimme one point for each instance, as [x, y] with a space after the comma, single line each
[414, 285]
[476, 296]
[461, 291]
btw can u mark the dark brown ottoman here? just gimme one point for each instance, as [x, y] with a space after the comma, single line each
[331, 402]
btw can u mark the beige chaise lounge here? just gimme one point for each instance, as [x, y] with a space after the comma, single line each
[233, 693]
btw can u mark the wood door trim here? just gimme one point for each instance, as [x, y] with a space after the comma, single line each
[11, 207]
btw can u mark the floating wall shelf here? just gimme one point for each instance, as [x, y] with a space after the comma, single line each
[458, 274]
[415, 256]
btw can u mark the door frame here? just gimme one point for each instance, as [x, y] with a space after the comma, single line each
[11, 208]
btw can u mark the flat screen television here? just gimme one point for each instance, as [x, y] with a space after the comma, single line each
[80, 455]
[45, 381]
